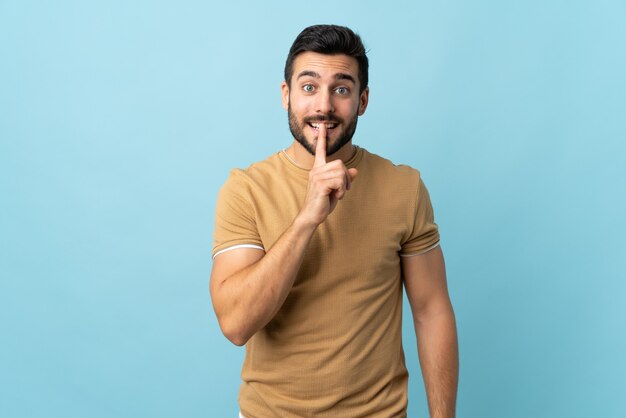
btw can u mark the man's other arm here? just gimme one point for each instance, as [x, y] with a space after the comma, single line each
[424, 278]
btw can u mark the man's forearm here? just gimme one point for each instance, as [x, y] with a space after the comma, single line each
[251, 297]
[439, 359]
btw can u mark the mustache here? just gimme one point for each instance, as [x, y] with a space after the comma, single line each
[322, 118]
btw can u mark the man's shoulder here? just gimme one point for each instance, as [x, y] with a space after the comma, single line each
[257, 170]
[381, 166]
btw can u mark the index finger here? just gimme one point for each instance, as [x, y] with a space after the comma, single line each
[320, 149]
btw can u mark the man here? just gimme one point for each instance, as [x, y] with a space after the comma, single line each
[311, 249]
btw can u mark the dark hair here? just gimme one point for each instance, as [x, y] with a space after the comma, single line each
[329, 39]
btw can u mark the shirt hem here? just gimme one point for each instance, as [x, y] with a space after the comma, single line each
[238, 246]
[423, 251]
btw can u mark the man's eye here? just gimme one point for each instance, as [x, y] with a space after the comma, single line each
[342, 90]
[308, 88]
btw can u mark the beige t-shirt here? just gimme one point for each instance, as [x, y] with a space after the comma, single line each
[334, 349]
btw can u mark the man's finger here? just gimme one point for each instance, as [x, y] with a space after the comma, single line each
[320, 149]
[351, 174]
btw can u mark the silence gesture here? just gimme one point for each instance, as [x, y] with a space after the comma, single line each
[328, 182]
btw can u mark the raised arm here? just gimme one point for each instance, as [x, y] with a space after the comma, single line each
[248, 286]
[424, 278]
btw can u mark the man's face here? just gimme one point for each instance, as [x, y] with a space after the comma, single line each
[324, 89]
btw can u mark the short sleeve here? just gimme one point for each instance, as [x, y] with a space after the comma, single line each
[235, 223]
[425, 233]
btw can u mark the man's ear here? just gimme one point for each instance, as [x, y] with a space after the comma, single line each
[363, 100]
[284, 93]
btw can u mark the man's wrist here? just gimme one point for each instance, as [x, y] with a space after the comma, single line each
[303, 226]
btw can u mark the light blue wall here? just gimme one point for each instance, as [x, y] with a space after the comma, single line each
[119, 121]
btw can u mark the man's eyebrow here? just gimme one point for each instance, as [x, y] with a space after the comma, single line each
[344, 76]
[307, 73]
[338, 76]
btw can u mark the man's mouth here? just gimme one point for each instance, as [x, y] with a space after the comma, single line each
[316, 125]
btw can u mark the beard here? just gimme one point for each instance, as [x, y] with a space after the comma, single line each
[297, 130]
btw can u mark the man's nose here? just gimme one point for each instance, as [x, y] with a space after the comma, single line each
[325, 102]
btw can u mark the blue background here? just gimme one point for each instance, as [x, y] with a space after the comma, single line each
[119, 121]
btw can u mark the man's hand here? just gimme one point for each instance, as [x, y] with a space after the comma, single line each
[328, 183]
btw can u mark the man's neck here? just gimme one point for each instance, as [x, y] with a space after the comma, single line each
[302, 158]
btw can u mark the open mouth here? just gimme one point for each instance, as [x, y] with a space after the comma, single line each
[316, 125]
